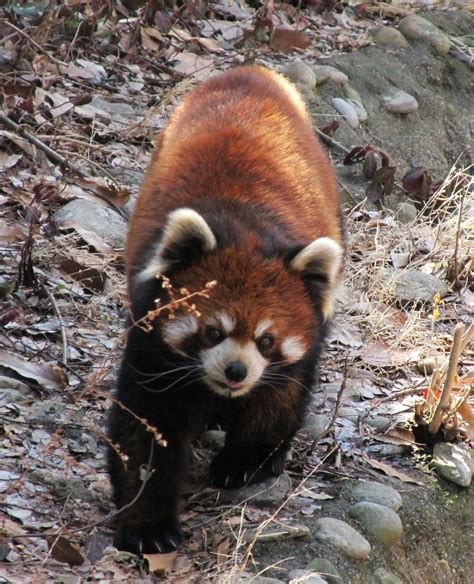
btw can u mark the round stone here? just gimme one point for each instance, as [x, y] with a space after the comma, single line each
[453, 463]
[305, 577]
[383, 576]
[378, 521]
[300, 73]
[400, 102]
[325, 569]
[387, 35]
[375, 492]
[342, 536]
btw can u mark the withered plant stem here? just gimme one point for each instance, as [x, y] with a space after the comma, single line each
[33, 42]
[443, 404]
[61, 323]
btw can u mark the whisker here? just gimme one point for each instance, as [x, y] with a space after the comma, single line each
[168, 387]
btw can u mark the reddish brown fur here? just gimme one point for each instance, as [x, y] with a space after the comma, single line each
[268, 153]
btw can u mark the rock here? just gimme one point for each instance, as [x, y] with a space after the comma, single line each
[379, 423]
[213, 439]
[379, 521]
[400, 259]
[415, 27]
[314, 426]
[406, 213]
[387, 35]
[427, 365]
[351, 93]
[305, 577]
[415, 286]
[343, 537]
[301, 73]
[347, 111]
[350, 393]
[360, 109]
[269, 492]
[348, 413]
[383, 576]
[102, 221]
[400, 102]
[453, 463]
[252, 580]
[325, 569]
[375, 492]
[325, 73]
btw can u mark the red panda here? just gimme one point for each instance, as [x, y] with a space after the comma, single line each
[240, 191]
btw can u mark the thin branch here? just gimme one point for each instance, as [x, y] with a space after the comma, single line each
[33, 42]
[443, 403]
[61, 324]
[52, 154]
[325, 138]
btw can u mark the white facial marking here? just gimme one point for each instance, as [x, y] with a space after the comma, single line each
[262, 327]
[293, 348]
[325, 254]
[177, 330]
[227, 322]
[180, 224]
[216, 359]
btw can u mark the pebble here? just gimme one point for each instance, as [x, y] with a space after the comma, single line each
[406, 213]
[91, 216]
[325, 73]
[375, 492]
[400, 102]
[268, 492]
[305, 577]
[378, 521]
[305, 91]
[249, 579]
[380, 423]
[387, 35]
[415, 27]
[383, 576]
[350, 393]
[347, 111]
[301, 73]
[348, 413]
[427, 365]
[314, 426]
[343, 537]
[453, 463]
[416, 286]
[326, 569]
[400, 259]
[360, 109]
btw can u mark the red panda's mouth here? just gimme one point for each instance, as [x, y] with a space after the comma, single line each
[230, 385]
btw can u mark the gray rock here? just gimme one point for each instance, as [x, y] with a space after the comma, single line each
[415, 27]
[375, 492]
[400, 259]
[269, 492]
[343, 537]
[306, 92]
[379, 521]
[252, 580]
[348, 413]
[213, 439]
[379, 423]
[383, 576]
[329, 73]
[453, 463]
[415, 286]
[325, 569]
[350, 393]
[305, 577]
[314, 426]
[387, 35]
[347, 111]
[300, 72]
[102, 221]
[400, 102]
[351, 93]
[406, 213]
[359, 108]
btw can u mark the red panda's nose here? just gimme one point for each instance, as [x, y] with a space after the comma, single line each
[236, 371]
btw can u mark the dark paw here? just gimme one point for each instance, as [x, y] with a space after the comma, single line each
[160, 538]
[233, 471]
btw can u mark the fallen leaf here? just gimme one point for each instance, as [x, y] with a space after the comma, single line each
[380, 354]
[161, 564]
[12, 233]
[63, 551]
[287, 39]
[398, 436]
[391, 471]
[8, 160]
[220, 547]
[45, 374]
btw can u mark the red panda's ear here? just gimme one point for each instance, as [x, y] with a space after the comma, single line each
[321, 262]
[186, 236]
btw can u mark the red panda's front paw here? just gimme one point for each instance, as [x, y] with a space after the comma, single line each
[161, 538]
[234, 469]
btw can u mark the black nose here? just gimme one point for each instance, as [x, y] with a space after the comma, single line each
[236, 371]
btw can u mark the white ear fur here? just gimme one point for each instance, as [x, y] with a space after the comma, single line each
[181, 226]
[321, 258]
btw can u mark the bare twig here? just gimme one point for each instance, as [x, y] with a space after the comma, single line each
[52, 154]
[456, 247]
[61, 323]
[443, 403]
[325, 138]
[33, 42]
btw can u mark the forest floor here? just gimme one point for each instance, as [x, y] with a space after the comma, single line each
[83, 95]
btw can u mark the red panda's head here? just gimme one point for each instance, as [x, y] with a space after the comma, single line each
[262, 315]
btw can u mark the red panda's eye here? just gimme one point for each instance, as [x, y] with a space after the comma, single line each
[214, 335]
[266, 342]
